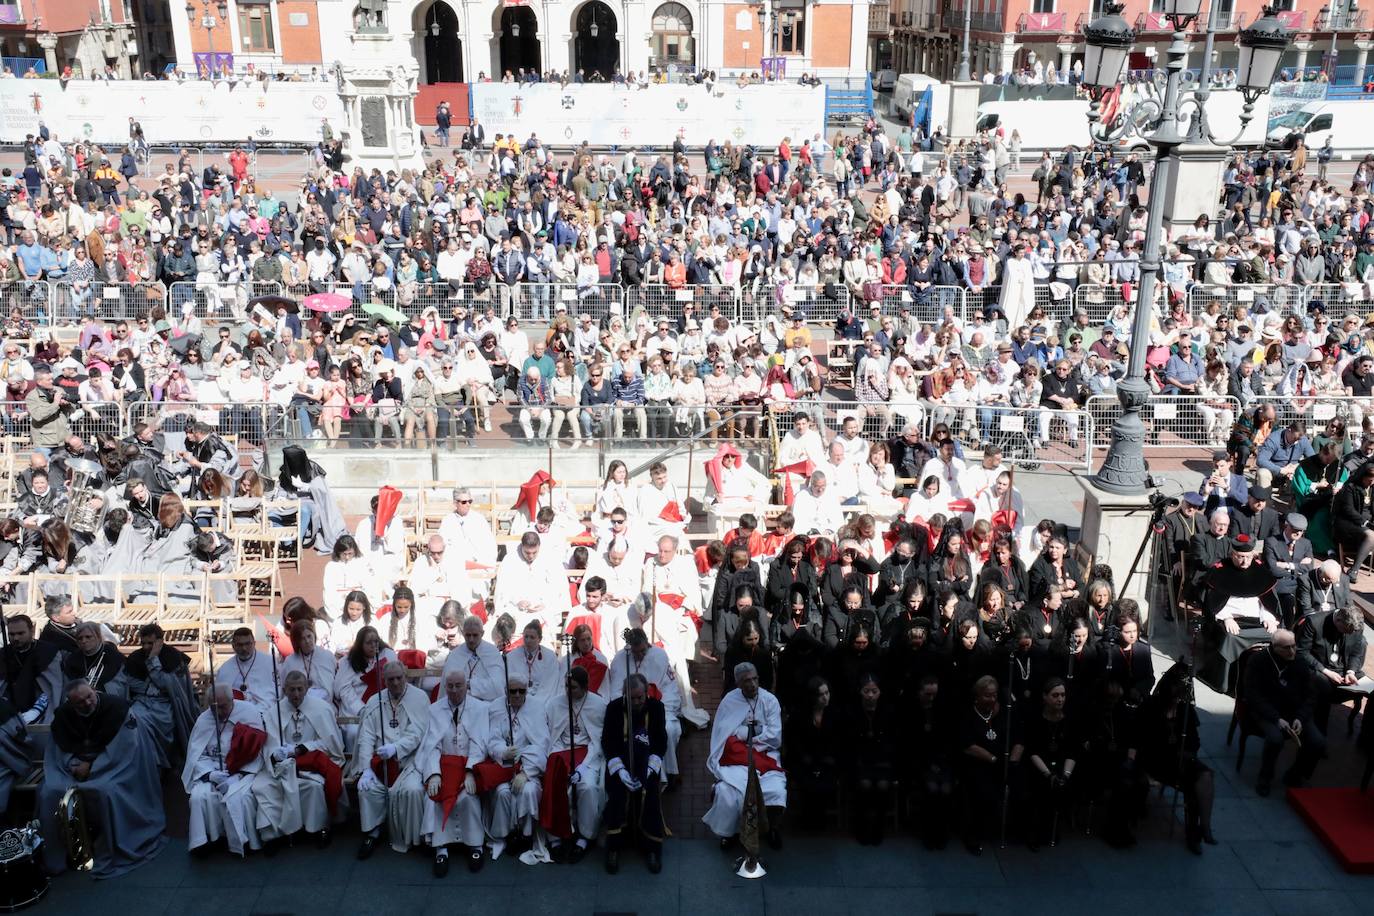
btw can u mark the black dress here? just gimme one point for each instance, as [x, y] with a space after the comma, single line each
[811, 755]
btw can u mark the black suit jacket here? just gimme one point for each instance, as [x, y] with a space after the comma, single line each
[1322, 646]
[1310, 592]
[1276, 551]
[1260, 526]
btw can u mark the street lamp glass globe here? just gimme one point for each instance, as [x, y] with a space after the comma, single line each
[1109, 39]
[1183, 9]
[1261, 48]
[594, 29]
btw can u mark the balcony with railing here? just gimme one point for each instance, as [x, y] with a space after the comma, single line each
[880, 20]
[1341, 21]
[1040, 23]
[11, 13]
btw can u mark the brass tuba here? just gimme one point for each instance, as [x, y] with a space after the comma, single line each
[81, 515]
[76, 832]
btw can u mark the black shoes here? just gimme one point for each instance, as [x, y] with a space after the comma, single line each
[654, 859]
[612, 861]
[368, 847]
[577, 853]
[441, 864]
[475, 859]
[323, 839]
[774, 838]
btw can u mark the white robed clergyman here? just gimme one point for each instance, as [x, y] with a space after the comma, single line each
[531, 583]
[307, 726]
[318, 666]
[748, 702]
[479, 661]
[438, 576]
[393, 727]
[457, 742]
[235, 792]
[588, 717]
[1018, 289]
[537, 665]
[249, 672]
[673, 581]
[638, 657]
[517, 740]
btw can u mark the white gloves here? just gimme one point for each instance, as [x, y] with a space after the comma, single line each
[576, 777]
[656, 765]
[367, 780]
[517, 783]
[386, 751]
[31, 716]
[299, 484]
[218, 778]
[630, 782]
[432, 785]
[279, 755]
[470, 784]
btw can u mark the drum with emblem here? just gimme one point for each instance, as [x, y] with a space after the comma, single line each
[22, 881]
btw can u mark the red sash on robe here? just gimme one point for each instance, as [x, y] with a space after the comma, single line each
[279, 636]
[479, 609]
[675, 601]
[245, 745]
[388, 499]
[1004, 519]
[755, 542]
[736, 754]
[319, 762]
[553, 807]
[596, 671]
[490, 774]
[453, 770]
[372, 681]
[388, 771]
[803, 468]
[671, 512]
[961, 506]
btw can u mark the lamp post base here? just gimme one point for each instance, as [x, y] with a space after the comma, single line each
[1110, 532]
[1123, 469]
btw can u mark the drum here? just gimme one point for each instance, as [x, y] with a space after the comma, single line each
[22, 881]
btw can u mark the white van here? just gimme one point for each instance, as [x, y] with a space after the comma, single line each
[884, 80]
[1349, 124]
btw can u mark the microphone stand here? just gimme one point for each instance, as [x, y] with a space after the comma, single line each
[276, 685]
[213, 704]
[572, 741]
[510, 718]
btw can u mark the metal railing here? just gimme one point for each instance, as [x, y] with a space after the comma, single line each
[219, 299]
[87, 419]
[72, 301]
[33, 298]
[1173, 422]
[1317, 410]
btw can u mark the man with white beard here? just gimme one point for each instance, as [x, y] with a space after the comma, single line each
[531, 585]
[651, 663]
[310, 740]
[517, 740]
[479, 661]
[229, 778]
[392, 728]
[457, 743]
[746, 714]
[670, 583]
[573, 765]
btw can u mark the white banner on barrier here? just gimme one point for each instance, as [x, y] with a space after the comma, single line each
[196, 111]
[609, 115]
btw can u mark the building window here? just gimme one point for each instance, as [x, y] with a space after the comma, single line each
[792, 31]
[255, 28]
[1042, 6]
[672, 42]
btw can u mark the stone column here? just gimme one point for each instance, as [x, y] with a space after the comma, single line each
[1065, 57]
[1302, 47]
[48, 42]
[1363, 45]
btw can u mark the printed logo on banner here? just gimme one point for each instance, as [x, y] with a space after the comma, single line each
[319, 102]
[681, 104]
[515, 104]
[568, 101]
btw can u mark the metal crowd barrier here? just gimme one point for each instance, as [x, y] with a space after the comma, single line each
[1318, 411]
[1098, 301]
[33, 298]
[926, 306]
[219, 299]
[118, 301]
[822, 303]
[87, 420]
[1173, 422]
[254, 423]
[1029, 436]
[660, 301]
[1247, 294]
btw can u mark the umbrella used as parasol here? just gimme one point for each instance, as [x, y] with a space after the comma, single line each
[328, 302]
[385, 313]
[277, 302]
